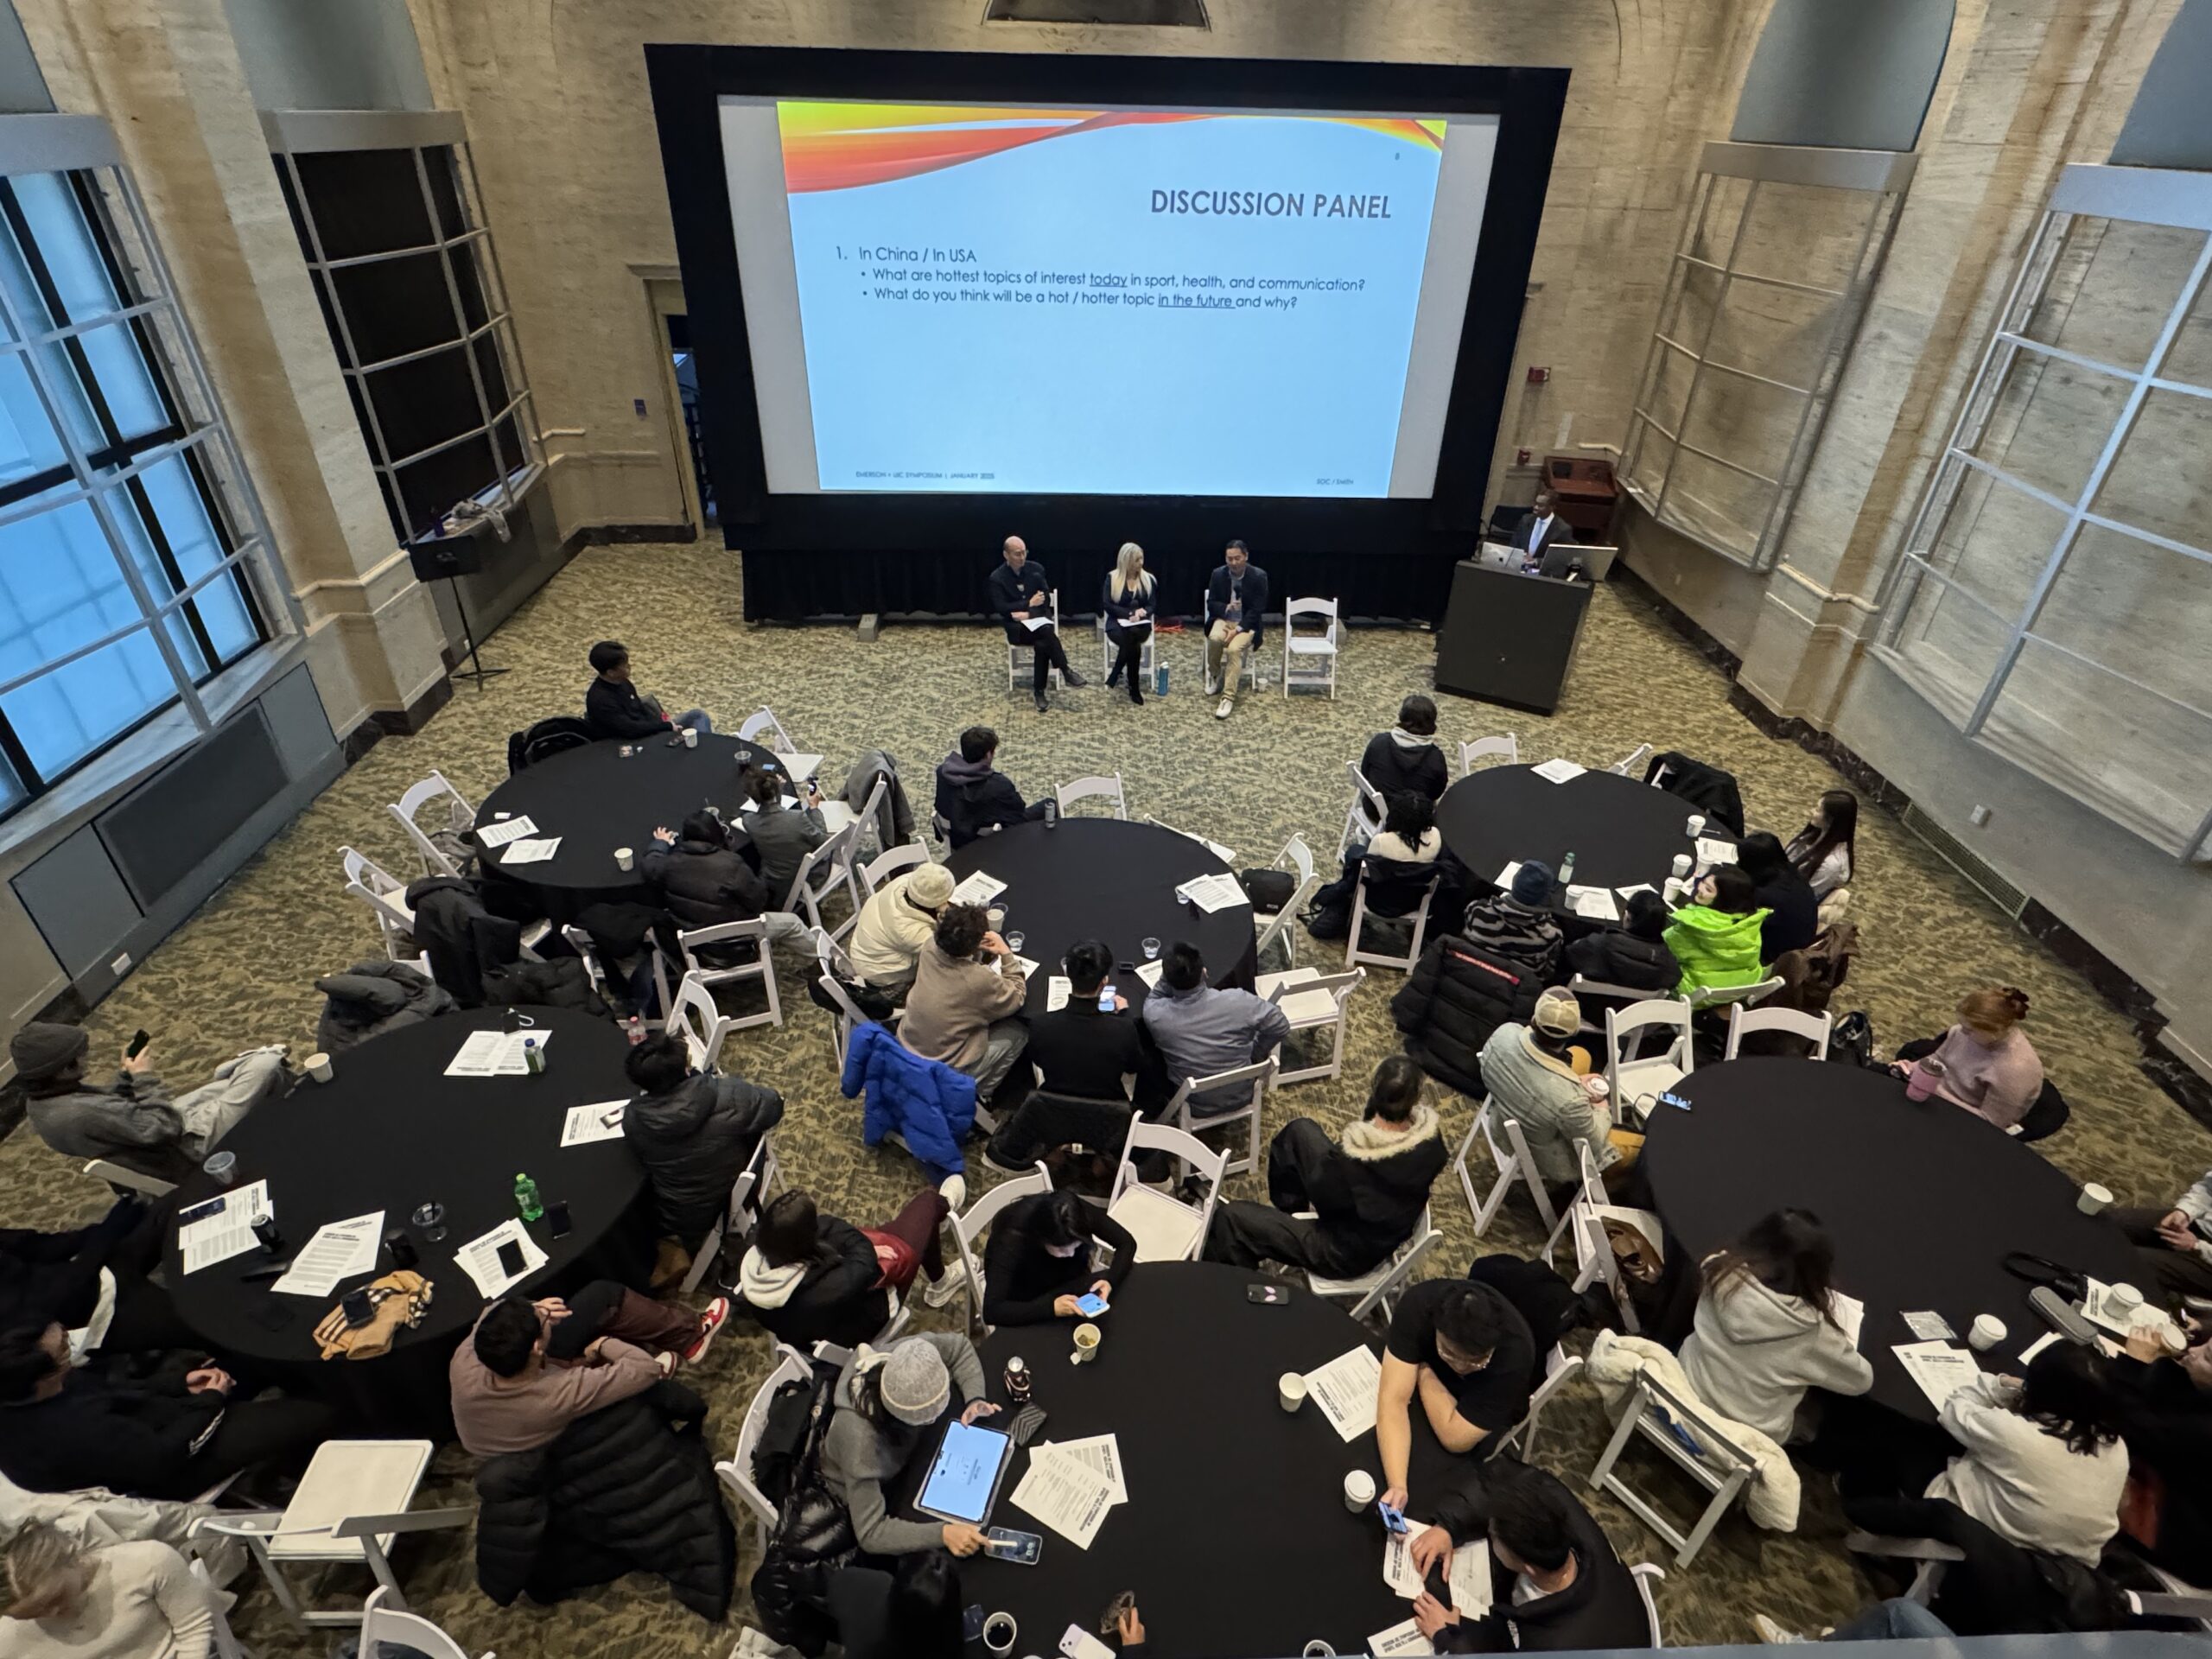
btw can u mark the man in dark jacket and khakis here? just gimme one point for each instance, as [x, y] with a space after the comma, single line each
[694, 1132]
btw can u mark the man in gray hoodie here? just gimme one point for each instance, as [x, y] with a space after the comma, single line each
[1202, 1030]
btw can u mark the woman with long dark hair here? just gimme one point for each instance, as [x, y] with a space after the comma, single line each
[1716, 936]
[1826, 851]
[1038, 1260]
[1767, 1330]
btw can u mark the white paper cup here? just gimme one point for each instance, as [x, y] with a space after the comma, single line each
[318, 1067]
[996, 916]
[1290, 1390]
[1318, 1649]
[2122, 1301]
[691, 737]
[1696, 824]
[623, 858]
[1086, 1343]
[1359, 1490]
[999, 1632]
[1986, 1333]
[2094, 1199]
[1682, 866]
[2170, 1337]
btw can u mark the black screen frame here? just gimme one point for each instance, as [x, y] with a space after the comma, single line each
[930, 552]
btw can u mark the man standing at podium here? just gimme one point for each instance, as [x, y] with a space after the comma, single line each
[1538, 533]
[1020, 593]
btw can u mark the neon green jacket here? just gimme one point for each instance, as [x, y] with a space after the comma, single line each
[1715, 949]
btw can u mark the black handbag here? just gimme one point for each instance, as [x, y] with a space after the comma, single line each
[813, 1538]
[2066, 1283]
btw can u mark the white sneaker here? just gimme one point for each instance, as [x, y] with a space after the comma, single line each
[1213, 686]
[1771, 1633]
[955, 1281]
[953, 1189]
[1221, 709]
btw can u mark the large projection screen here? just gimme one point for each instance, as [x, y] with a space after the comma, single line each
[940, 298]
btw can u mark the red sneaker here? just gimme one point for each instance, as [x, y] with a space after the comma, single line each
[710, 1325]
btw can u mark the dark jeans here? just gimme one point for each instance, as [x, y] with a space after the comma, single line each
[1245, 1233]
[604, 1308]
[1045, 650]
[2171, 1271]
[1995, 1590]
[1895, 1620]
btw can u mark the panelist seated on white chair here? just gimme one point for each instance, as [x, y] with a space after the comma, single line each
[1236, 607]
[615, 708]
[133, 1599]
[1366, 1191]
[973, 796]
[1461, 1352]
[1407, 757]
[704, 880]
[1127, 597]
[695, 1132]
[810, 1278]
[1203, 1030]
[1633, 955]
[895, 923]
[1021, 592]
[1557, 1585]
[131, 1120]
[1039, 1262]
[1536, 1075]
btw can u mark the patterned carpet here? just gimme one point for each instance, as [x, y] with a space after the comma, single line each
[240, 972]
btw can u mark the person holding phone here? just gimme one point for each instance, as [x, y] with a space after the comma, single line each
[1464, 1352]
[1038, 1267]
[782, 836]
[889, 1404]
[1086, 1050]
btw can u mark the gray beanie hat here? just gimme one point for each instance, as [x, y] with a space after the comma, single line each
[916, 1386]
[43, 1049]
[930, 886]
[1532, 884]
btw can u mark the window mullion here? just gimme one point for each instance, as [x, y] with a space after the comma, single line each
[460, 327]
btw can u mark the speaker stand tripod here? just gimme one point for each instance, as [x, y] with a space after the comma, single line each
[475, 671]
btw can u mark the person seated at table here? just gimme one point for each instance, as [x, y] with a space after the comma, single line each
[93, 1281]
[1826, 851]
[78, 1598]
[1400, 852]
[615, 708]
[973, 796]
[2174, 1246]
[1557, 1585]
[1633, 955]
[890, 1405]
[528, 1370]
[1516, 926]
[694, 1131]
[1081, 1050]
[704, 881]
[913, 1612]
[782, 836]
[131, 1120]
[1465, 1352]
[808, 1278]
[1793, 914]
[1127, 601]
[965, 1008]
[1767, 1329]
[1715, 937]
[894, 924]
[2165, 1418]
[1021, 592]
[1536, 1076]
[1989, 1066]
[172, 1435]
[1365, 1192]
[1039, 1259]
[1406, 759]
[1203, 1030]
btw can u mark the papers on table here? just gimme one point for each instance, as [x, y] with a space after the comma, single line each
[1851, 1314]
[1344, 1389]
[340, 1249]
[2028, 1353]
[1399, 1639]
[1940, 1370]
[1212, 892]
[218, 1237]
[1929, 1327]
[600, 1121]
[1505, 876]
[1558, 772]
[1627, 893]
[1470, 1580]
[1711, 852]
[977, 888]
[1596, 903]
[1058, 989]
[495, 1054]
[533, 852]
[1398, 1569]
[480, 1257]
[508, 830]
[1065, 1493]
[1101, 1453]
[1026, 966]
[1149, 972]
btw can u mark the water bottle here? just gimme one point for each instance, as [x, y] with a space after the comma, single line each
[527, 1204]
[1159, 680]
[635, 1031]
[533, 1057]
[1052, 815]
[1566, 871]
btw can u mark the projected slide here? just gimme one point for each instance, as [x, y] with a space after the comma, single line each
[1058, 300]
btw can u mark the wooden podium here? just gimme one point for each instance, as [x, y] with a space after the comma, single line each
[1507, 638]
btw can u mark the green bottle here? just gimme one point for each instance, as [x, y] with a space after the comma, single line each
[526, 1200]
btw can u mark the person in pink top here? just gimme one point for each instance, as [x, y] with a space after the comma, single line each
[1989, 1066]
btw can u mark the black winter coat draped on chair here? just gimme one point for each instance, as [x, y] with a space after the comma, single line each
[1450, 1004]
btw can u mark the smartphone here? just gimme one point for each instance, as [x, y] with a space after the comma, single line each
[1267, 1295]
[139, 1038]
[1394, 1519]
[557, 1218]
[1091, 1304]
[202, 1212]
[1106, 994]
[359, 1309]
[510, 1258]
[971, 1621]
[1005, 1544]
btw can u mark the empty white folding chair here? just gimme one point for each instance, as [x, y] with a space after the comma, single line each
[387, 1628]
[1312, 1001]
[460, 815]
[1309, 659]
[693, 1016]
[1559, 1367]
[1019, 658]
[1506, 749]
[715, 971]
[1361, 918]
[747, 1194]
[1716, 1463]
[836, 816]
[1108, 651]
[892, 861]
[1594, 1260]
[736, 1473]
[131, 1181]
[1363, 817]
[386, 895]
[1275, 924]
[1226, 855]
[1102, 787]
[1625, 767]
[1649, 1575]
[761, 726]
[1813, 1027]
[1377, 1289]
[1637, 1082]
[1252, 1081]
[820, 874]
[969, 1228]
[1513, 1164]
[1166, 1229]
[1714, 996]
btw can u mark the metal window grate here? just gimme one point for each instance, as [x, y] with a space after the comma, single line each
[1155, 14]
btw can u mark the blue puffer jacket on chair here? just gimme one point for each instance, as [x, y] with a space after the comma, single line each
[930, 1106]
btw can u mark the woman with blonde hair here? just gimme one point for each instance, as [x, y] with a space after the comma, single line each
[119, 1601]
[1989, 1066]
[1128, 600]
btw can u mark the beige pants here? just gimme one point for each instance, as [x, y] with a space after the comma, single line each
[1226, 645]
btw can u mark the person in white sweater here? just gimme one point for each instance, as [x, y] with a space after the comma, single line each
[1766, 1329]
[119, 1601]
[897, 921]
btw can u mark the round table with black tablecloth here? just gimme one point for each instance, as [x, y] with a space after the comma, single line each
[1236, 1539]
[388, 1132]
[1622, 832]
[1103, 879]
[1923, 1200]
[595, 799]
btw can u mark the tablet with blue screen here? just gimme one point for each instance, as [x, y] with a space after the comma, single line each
[965, 1479]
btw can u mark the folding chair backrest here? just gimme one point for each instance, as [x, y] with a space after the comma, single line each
[692, 1011]
[892, 861]
[1325, 609]
[1253, 1077]
[1367, 800]
[1712, 996]
[821, 870]
[764, 719]
[1813, 1027]
[1103, 786]
[1207, 1163]
[1301, 858]
[1506, 749]
[1671, 1012]
[970, 1227]
[381, 1625]
[737, 1473]
[460, 815]
[1647, 1575]
[1626, 768]
[385, 894]
[1559, 1367]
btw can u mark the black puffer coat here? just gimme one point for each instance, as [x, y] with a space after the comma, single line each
[694, 1141]
[705, 884]
[1450, 1004]
[464, 940]
[1614, 955]
[372, 997]
[630, 1488]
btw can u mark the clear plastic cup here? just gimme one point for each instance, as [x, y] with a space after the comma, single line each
[1013, 941]
[1151, 948]
[222, 1167]
[431, 1216]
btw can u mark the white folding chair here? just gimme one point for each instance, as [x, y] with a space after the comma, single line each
[693, 1015]
[820, 874]
[1714, 996]
[1513, 1165]
[1105, 787]
[1275, 924]
[152, 1186]
[892, 862]
[1310, 659]
[347, 1510]
[460, 815]
[1637, 1082]
[1108, 651]
[223, 1639]
[836, 816]
[1166, 1229]
[383, 1623]
[1418, 922]
[1506, 749]
[1814, 1028]
[792, 1366]
[692, 941]
[1379, 1286]
[587, 953]
[1593, 1260]
[1716, 1463]
[1226, 855]
[747, 1195]
[969, 1229]
[1020, 657]
[1363, 817]
[777, 741]
[1256, 1079]
[1312, 1001]
[1559, 1367]
[386, 895]
[1625, 767]
[1647, 1575]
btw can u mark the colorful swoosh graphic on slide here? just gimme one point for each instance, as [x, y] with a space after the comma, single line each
[840, 146]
